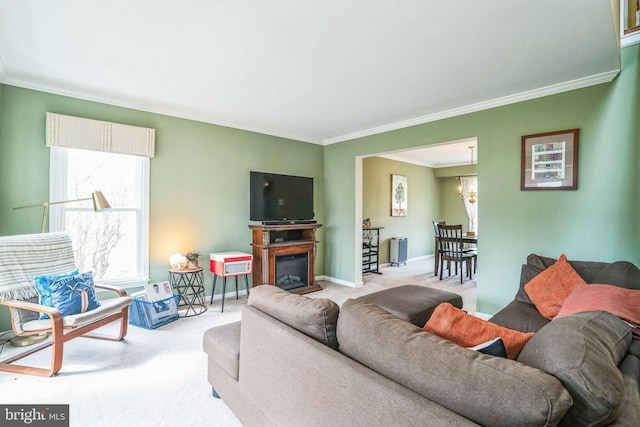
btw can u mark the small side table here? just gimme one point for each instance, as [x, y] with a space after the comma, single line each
[189, 284]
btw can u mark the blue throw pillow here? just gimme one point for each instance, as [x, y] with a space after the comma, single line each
[43, 286]
[493, 347]
[74, 294]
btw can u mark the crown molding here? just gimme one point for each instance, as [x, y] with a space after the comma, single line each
[497, 102]
[405, 160]
[149, 106]
[419, 163]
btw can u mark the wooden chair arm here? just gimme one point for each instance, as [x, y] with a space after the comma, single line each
[26, 305]
[54, 315]
[121, 292]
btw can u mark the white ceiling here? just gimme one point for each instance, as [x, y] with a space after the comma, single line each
[446, 154]
[320, 72]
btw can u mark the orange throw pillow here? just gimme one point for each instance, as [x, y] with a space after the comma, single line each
[548, 290]
[466, 330]
[621, 302]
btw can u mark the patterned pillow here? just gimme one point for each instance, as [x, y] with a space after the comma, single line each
[43, 286]
[74, 294]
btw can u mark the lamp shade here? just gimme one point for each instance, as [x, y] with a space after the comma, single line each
[99, 201]
[99, 204]
[178, 261]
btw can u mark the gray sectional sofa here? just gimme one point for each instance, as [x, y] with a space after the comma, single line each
[295, 360]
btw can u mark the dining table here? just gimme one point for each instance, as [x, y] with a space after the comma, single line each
[471, 239]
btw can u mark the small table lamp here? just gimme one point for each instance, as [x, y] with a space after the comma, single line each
[178, 261]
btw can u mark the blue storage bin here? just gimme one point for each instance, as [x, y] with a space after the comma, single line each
[151, 315]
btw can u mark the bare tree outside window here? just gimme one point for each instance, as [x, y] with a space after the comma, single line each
[105, 243]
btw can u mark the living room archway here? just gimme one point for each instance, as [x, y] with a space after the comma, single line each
[446, 162]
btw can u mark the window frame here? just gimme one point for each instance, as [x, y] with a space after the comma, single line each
[57, 191]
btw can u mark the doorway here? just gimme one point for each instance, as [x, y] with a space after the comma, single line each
[448, 160]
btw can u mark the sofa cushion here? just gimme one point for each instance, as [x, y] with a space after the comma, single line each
[630, 408]
[588, 270]
[465, 381]
[107, 307]
[583, 351]
[466, 330]
[527, 273]
[315, 317]
[620, 273]
[624, 303]
[222, 344]
[299, 382]
[549, 289]
[634, 348]
[413, 303]
[520, 316]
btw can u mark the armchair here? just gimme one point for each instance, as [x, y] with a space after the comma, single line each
[24, 257]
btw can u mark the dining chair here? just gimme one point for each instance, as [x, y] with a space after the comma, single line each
[452, 250]
[437, 260]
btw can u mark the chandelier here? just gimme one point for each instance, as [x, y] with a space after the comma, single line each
[472, 195]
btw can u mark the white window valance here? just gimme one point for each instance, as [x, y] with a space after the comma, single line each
[97, 135]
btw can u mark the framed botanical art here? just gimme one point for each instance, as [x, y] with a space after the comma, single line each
[550, 161]
[399, 195]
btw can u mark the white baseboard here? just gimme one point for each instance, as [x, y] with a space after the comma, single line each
[339, 281]
[416, 259]
[227, 295]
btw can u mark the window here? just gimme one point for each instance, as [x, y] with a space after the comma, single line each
[469, 184]
[112, 244]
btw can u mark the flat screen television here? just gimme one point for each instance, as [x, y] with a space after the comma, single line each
[275, 198]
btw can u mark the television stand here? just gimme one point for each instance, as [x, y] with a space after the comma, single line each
[275, 247]
[289, 222]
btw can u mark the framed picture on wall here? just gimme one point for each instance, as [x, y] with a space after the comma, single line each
[550, 161]
[399, 195]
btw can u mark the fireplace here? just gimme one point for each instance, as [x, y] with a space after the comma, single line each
[284, 256]
[291, 271]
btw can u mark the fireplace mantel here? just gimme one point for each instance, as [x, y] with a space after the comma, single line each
[271, 241]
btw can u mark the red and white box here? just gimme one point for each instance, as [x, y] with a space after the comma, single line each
[225, 264]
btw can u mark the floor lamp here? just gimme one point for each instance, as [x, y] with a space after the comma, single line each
[99, 204]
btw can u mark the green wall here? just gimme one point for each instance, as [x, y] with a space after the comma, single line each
[199, 188]
[199, 179]
[600, 221]
[423, 204]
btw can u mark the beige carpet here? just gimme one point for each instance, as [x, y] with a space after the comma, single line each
[158, 377]
[415, 273]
